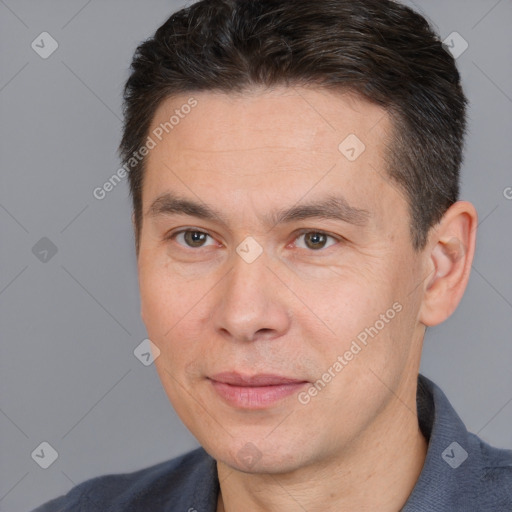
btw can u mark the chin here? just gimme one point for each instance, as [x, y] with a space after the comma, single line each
[262, 457]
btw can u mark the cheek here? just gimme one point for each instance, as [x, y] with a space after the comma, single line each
[364, 320]
[347, 301]
[166, 298]
[173, 311]
[156, 305]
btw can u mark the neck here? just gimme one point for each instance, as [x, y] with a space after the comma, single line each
[377, 472]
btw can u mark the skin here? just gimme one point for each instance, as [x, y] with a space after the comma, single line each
[356, 445]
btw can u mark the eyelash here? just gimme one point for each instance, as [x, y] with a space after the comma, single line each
[338, 239]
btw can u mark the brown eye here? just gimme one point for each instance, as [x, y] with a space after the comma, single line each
[191, 238]
[195, 238]
[315, 240]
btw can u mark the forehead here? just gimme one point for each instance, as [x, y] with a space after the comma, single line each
[298, 118]
[269, 146]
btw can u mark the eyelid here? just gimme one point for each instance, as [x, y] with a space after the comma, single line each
[319, 231]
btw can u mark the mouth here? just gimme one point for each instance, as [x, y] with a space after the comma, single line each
[254, 391]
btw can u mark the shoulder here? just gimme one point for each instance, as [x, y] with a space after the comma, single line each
[494, 475]
[461, 472]
[153, 488]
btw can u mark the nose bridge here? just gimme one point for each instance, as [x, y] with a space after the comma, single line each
[250, 302]
[247, 281]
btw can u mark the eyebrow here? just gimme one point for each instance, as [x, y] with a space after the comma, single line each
[331, 207]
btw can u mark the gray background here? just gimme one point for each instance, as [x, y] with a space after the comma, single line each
[70, 325]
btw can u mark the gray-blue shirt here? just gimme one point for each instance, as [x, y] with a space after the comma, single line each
[461, 473]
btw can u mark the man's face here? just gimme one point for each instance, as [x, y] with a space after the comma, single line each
[249, 290]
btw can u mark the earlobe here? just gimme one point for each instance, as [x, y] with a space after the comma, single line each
[451, 249]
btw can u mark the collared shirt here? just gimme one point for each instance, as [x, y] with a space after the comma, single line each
[461, 473]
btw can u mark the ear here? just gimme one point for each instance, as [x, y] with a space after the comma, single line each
[450, 252]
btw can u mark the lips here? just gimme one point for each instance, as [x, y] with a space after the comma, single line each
[264, 379]
[254, 391]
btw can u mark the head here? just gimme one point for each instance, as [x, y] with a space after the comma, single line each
[294, 172]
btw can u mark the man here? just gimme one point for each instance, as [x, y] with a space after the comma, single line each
[294, 172]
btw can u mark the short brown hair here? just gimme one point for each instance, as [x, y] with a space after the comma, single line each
[379, 49]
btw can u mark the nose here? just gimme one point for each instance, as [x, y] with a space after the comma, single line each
[251, 303]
